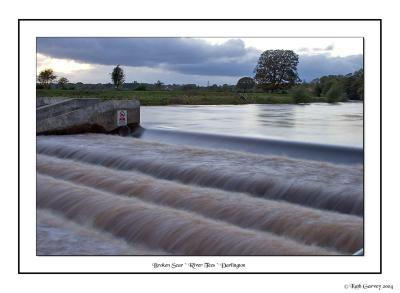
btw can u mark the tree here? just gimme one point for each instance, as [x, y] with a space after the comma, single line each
[189, 87]
[301, 95]
[277, 69]
[46, 76]
[245, 83]
[159, 85]
[227, 88]
[349, 86]
[335, 93]
[354, 85]
[118, 76]
[62, 82]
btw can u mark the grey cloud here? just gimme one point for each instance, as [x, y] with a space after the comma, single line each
[187, 56]
[190, 56]
[314, 66]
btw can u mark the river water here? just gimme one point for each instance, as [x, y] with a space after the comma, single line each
[337, 124]
[101, 194]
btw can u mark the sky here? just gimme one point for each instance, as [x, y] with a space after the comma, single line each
[190, 60]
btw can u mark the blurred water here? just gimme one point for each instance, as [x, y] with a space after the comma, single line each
[103, 194]
[109, 195]
[338, 124]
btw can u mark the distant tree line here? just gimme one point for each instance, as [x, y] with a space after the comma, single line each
[276, 71]
[335, 88]
[138, 86]
[349, 86]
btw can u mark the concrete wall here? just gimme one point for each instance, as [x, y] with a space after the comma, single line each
[64, 106]
[43, 101]
[85, 115]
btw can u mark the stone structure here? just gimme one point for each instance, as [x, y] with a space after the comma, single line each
[70, 116]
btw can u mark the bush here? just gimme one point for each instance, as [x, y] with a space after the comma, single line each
[301, 95]
[140, 88]
[335, 93]
[245, 83]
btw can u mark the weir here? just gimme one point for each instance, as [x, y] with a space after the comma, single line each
[303, 150]
[81, 115]
[161, 192]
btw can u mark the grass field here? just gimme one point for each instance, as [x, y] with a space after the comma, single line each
[157, 98]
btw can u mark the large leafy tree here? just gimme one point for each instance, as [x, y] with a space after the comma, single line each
[277, 69]
[118, 76]
[245, 83]
[46, 77]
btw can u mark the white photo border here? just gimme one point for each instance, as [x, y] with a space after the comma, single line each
[369, 30]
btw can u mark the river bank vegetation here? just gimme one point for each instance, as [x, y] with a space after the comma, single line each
[276, 81]
[333, 88]
[178, 97]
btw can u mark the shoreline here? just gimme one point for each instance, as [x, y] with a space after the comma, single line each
[166, 98]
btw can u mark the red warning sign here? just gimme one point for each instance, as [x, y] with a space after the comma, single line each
[122, 118]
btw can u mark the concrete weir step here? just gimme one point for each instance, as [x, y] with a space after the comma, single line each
[69, 116]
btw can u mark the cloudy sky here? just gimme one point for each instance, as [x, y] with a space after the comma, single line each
[190, 60]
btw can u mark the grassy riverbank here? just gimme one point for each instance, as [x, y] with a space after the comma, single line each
[156, 98]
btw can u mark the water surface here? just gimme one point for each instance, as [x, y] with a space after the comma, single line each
[338, 124]
[109, 195]
[105, 194]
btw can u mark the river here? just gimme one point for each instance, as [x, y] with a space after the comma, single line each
[100, 194]
[336, 124]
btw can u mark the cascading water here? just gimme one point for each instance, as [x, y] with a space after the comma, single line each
[169, 199]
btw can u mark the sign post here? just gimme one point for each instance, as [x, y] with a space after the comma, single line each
[122, 117]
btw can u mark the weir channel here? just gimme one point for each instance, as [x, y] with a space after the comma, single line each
[158, 192]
